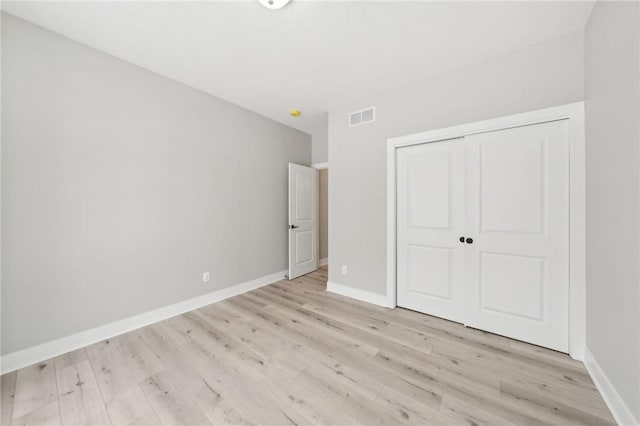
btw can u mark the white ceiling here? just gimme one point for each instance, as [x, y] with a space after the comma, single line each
[309, 55]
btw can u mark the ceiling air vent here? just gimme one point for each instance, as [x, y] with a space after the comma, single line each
[362, 117]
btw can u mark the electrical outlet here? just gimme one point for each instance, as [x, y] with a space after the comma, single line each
[205, 277]
[344, 269]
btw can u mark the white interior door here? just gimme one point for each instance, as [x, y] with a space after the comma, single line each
[518, 218]
[430, 221]
[507, 193]
[303, 220]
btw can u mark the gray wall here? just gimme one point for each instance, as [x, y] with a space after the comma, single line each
[323, 239]
[120, 187]
[612, 99]
[320, 142]
[543, 75]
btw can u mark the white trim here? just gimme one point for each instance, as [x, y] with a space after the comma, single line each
[575, 113]
[34, 354]
[619, 409]
[354, 293]
[324, 261]
[320, 166]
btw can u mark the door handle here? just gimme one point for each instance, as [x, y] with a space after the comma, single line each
[469, 240]
[293, 227]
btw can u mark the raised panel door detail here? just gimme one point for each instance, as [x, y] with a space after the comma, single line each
[304, 246]
[429, 271]
[428, 190]
[512, 285]
[512, 185]
[304, 193]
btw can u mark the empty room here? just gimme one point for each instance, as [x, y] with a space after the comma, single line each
[320, 212]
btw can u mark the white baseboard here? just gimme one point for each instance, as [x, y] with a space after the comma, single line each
[354, 293]
[39, 353]
[619, 409]
[324, 261]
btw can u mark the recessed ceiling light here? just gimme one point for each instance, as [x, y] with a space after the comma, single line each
[294, 112]
[274, 4]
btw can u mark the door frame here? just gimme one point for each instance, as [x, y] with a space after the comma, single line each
[577, 274]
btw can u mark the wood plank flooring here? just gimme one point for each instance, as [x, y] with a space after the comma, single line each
[293, 354]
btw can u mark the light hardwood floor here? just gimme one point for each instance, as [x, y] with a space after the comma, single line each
[293, 354]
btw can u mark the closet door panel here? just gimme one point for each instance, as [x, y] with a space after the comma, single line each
[430, 221]
[518, 217]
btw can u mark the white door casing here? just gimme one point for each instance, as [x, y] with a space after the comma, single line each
[303, 220]
[483, 231]
[430, 212]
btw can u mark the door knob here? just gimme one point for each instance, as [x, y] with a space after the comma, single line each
[293, 227]
[469, 240]
[462, 239]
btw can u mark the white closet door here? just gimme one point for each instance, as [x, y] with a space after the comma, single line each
[430, 221]
[518, 217]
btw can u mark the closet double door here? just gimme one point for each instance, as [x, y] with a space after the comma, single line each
[483, 231]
